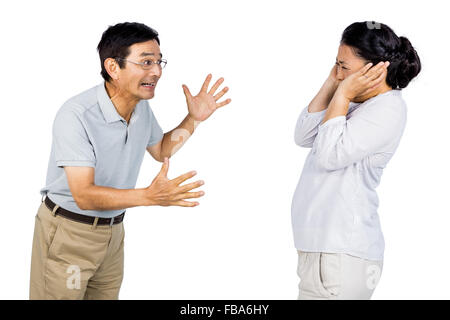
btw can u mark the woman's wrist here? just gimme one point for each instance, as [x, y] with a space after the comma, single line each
[341, 96]
[331, 84]
[328, 90]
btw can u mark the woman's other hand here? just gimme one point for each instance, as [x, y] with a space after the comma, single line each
[332, 77]
[332, 82]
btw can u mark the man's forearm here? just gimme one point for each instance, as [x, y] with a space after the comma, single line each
[176, 138]
[106, 198]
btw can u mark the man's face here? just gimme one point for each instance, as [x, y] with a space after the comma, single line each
[347, 62]
[133, 79]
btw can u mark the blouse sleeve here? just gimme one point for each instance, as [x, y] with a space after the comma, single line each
[341, 142]
[307, 127]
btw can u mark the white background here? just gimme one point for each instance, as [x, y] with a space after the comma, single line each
[274, 56]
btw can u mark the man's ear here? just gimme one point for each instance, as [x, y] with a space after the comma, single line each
[112, 67]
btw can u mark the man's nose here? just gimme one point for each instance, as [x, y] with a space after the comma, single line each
[155, 70]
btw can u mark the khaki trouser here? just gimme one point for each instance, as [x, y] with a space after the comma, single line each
[336, 276]
[74, 260]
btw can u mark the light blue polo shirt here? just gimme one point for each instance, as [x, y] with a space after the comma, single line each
[89, 132]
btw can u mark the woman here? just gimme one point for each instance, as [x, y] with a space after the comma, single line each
[353, 127]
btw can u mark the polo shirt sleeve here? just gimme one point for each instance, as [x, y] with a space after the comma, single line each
[71, 143]
[341, 142]
[306, 127]
[156, 133]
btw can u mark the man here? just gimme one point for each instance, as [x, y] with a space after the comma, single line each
[99, 140]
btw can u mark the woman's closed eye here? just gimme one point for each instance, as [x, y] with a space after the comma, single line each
[341, 66]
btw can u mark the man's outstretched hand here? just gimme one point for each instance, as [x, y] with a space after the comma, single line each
[165, 192]
[204, 104]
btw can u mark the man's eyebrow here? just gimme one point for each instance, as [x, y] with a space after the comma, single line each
[144, 54]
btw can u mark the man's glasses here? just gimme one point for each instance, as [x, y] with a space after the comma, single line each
[147, 64]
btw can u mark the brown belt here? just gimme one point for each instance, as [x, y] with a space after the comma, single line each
[81, 217]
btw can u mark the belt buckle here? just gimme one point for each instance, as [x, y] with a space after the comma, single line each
[111, 222]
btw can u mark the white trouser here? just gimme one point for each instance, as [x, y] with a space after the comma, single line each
[336, 276]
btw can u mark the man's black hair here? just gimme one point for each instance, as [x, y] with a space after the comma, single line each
[117, 39]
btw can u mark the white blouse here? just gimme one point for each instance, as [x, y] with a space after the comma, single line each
[334, 208]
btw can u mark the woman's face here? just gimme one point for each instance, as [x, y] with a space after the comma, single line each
[347, 62]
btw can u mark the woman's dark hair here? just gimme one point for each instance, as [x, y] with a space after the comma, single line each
[117, 39]
[376, 42]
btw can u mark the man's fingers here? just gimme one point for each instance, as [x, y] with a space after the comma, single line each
[164, 168]
[190, 186]
[183, 203]
[215, 86]
[206, 83]
[223, 103]
[184, 177]
[187, 93]
[189, 195]
[221, 93]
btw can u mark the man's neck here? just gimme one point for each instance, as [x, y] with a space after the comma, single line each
[124, 103]
[382, 89]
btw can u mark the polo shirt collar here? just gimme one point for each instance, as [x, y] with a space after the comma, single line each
[109, 111]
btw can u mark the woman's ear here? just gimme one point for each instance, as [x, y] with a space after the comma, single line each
[112, 68]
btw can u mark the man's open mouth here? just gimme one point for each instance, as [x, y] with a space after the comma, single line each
[148, 84]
